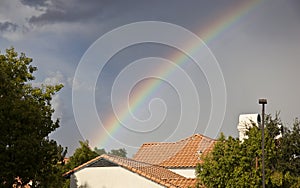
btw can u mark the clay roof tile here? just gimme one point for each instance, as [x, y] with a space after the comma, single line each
[184, 153]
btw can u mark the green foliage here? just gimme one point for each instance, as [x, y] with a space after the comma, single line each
[238, 164]
[81, 155]
[118, 152]
[25, 123]
[289, 155]
[99, 151]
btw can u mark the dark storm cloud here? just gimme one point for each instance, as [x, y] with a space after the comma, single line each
[8, 26]
[72, 11]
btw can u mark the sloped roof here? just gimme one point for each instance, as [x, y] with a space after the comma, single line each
[88, 163]
[152, 172]
[182, 154]
[186, 182]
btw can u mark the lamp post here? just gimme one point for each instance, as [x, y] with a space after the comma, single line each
[263, 102]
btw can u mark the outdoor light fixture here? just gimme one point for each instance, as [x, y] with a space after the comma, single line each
[263, 102]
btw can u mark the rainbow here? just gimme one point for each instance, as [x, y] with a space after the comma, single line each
[211, 32]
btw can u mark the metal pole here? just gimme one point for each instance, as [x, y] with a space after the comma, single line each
[263, 102]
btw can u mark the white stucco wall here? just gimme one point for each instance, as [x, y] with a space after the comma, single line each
[110, 177]
[188, 172]
[245, 122]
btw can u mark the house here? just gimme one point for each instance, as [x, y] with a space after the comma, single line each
[154, 165]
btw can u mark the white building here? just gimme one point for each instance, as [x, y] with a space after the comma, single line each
[246, 121]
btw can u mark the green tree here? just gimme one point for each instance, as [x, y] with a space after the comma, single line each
[289, 156]
[99, 151]
[118, 152]
[81, 155]
[26, 151]
[238, 164]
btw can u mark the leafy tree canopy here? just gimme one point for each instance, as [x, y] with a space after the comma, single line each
[25, 123]
[99, 151]
[81, 155]
[238, 164]
[118, 152]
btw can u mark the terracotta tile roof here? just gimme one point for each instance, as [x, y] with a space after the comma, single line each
[182, 154]
[152, 172]
[186, 182]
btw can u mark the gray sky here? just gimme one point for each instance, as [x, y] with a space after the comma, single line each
[257, 52]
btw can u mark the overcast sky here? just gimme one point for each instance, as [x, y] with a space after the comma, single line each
[256, 45]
